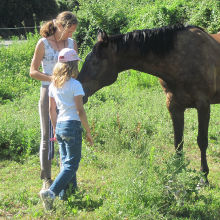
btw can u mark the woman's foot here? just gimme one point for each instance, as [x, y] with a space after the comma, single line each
[47, 183]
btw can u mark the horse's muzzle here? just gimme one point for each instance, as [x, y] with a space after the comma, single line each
[85, 99]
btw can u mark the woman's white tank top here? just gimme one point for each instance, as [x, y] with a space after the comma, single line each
[51, 57]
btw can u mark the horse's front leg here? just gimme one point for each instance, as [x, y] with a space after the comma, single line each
[177, 115]
[203, 109]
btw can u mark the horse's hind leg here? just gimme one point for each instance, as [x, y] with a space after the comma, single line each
[203, 109]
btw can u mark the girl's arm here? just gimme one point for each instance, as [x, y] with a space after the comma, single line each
[53, 112]
[82, 115]
[36, 62]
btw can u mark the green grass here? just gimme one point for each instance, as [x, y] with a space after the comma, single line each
[20, 127]
[131, 172]
[111, 186]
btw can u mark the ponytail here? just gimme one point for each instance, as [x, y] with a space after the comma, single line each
[48, 29]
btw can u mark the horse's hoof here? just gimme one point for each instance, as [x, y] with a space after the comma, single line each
[202, 183]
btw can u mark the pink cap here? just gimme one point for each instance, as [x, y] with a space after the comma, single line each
[67, 54]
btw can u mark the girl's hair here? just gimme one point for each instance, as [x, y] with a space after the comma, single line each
[62, 72]
[66, 19]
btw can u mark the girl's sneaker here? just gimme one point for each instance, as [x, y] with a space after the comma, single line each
[47, 197]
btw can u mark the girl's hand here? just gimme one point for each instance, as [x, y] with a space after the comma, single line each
[53, 139]
[89, 138]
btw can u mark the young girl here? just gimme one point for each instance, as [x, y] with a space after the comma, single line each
[65, 94]
[56, 35]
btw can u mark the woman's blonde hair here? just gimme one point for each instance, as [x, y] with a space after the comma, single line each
[62, 72]
[66, 19]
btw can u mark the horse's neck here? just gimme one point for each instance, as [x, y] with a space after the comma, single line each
[151, 64]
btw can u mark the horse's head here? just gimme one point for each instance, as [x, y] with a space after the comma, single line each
[98, 69]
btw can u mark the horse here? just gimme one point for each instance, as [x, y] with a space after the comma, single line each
[186, 59]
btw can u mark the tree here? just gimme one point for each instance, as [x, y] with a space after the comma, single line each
[24, 13]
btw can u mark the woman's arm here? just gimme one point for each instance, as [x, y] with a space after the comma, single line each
[82, 115]
[36, 62]
[75, 47]
[53, 112]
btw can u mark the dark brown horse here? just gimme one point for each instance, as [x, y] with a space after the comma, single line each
[186, 59]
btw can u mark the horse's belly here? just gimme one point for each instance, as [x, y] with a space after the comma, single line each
[216, 98]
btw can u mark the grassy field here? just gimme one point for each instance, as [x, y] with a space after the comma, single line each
[131, 172]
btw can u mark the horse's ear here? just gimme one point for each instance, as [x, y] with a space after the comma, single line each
[102, 36]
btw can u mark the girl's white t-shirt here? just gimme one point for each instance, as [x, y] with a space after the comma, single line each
[64, 98]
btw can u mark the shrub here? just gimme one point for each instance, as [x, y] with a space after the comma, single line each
[94, 15]
[122, 16]
[15, 68]
[160, 13]
[20, 127]
[67, 5]
[24, 13]
[205, 14]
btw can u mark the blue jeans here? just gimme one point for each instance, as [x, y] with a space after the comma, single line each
[69, 137]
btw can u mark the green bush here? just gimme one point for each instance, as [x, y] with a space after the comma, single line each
[122, 16]
[205, 14]
[15, 67]
[67, 5]
[24, 13]
[20, 127]
[160, 13]
[94, 15]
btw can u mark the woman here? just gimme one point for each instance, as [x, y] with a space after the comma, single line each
[56, 35]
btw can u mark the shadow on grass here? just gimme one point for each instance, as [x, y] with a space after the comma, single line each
[82, 201]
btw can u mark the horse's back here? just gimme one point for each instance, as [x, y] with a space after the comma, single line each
[213, 49]
[198, 55]
[207, 44]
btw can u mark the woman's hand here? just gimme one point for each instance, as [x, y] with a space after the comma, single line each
[50, 78]
[54, 136]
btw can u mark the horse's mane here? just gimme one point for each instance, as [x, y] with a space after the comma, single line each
[157, 40]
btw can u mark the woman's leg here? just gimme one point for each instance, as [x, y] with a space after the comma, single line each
[44, 145]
